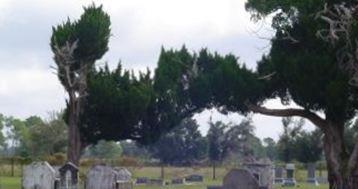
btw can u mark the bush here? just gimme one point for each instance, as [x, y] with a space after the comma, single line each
[129, 162]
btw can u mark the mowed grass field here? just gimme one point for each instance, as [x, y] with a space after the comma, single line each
[7, 182]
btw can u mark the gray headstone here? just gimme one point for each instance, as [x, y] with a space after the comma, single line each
[262, 171]
[155, 182]
[311, 174]
[194, 178]
[278, 175]
[214, 187]
[123, 174]
[289, 180]
[142, 180]
[39, 175]
[68, 176]
[105, 177]
[240, 179]
[177, 181]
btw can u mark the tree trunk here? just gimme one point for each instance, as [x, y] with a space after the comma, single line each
[74, 139]
[337, 158]
[75, 107]
[214, 170]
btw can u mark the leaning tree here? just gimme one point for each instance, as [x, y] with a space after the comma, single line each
[76, 46]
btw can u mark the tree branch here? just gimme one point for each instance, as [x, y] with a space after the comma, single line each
[314, 118]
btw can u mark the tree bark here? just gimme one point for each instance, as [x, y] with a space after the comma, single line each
[340, 176]
[75, 106]
[74, 139]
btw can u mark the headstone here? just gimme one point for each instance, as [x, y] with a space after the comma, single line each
[142, 180]
[68, 176]
[177, 181]
[262, 171]
[311, 174]
[155, 182]
[289, 180]
[279, 175]
[39, 175]
[214, 187]
[194, 178]
[123, 178]
[123, 174]
[240, 179]
[105, 177]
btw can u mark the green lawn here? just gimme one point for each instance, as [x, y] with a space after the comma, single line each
[7, 182]
[15, 183]
[10, 183]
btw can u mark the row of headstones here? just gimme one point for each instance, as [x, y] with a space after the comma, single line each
[41, 175]
[248, 178]
[290, 180]
[175, 181]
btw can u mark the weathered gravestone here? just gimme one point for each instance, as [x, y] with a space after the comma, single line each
[194, 178]
[262, 171]
[311, 174]
[240, 179]
[39, 175]
[177, 181]
[105, 177]
[123, 174]
[142, 180]
[279, 175]
[289, 180]
[214, 187]
[155, 182]
[68, 176]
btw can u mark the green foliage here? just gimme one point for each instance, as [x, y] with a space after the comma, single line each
[270, 148]
[233, 139]
[297, 144]
[105, 150]
[223, 83]
[117, 101]
[132, 149]
[308, 146]
[184, 145]
[47, 138]
[306, 71]
[92, 31]
[215, 141]
[91, 34]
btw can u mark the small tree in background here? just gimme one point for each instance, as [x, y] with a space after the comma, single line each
[184, 145]
[286, 144]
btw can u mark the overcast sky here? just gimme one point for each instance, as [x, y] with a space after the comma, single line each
[139, 28]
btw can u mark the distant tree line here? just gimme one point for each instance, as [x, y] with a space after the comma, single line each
[36, 138]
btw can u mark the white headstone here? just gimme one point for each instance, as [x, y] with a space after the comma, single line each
[105, 177]
[38, 175]
[123, 174]
[101, 176]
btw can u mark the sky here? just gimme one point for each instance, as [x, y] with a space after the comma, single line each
[28, 85]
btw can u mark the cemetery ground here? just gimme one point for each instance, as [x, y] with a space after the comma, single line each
[7, 181]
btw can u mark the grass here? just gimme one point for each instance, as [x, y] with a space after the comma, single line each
[10, 182]
[7, 182]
